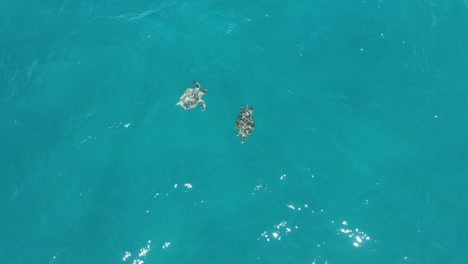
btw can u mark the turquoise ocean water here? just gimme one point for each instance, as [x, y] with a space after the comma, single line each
[359, 155]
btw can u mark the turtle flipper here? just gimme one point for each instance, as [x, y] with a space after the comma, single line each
[203, 105]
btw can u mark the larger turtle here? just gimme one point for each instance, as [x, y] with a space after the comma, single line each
[245, 123]
[192, 97]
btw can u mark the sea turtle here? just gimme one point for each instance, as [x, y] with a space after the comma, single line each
[192, 97]
[245, 123]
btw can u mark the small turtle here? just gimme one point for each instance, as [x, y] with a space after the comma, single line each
[192, 97]
[245, 123]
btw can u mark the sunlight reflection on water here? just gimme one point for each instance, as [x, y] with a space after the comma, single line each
[357, 236]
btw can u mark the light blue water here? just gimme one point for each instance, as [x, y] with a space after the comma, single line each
[359, 155]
